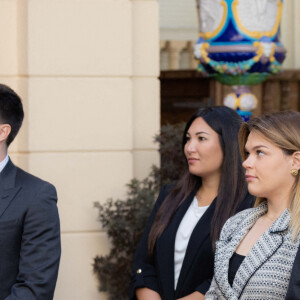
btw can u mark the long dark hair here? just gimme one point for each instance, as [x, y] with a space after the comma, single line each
[232, 188]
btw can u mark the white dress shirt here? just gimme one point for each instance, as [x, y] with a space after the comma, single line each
[3, 163]
[185, 229]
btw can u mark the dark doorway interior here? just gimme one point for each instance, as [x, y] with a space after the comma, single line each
[182, 93]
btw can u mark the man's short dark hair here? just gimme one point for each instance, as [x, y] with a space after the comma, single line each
[11, 111]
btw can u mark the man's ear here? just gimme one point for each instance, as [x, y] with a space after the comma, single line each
[296, 160]
[5, 130]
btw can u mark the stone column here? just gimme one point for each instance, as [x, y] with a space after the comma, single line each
[145, 83]
[290, 32]
[174, 49]
[297, 32]
[91, 99]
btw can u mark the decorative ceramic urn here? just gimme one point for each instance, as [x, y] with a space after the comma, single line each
[239, 45]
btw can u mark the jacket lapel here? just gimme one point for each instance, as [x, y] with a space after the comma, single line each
[166, 244]
[263, 249]
[226, 248]
[199, 234]
[7, 186]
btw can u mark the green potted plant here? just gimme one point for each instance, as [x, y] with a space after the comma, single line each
[124, 219]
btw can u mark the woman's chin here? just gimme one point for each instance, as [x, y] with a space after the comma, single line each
[254, 192]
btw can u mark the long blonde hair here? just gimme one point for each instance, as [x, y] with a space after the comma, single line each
[283, 130]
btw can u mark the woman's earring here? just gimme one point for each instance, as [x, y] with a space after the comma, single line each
[294, 172]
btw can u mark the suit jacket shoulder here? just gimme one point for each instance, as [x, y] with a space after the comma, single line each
[31, 181]
[143, 269]
[30, 231]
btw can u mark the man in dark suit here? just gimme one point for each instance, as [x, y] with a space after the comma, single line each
[29, 222]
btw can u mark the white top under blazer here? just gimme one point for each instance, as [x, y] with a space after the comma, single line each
[184, 232]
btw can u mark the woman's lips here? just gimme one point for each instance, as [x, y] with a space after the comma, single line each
[191, 160]
[250, 177]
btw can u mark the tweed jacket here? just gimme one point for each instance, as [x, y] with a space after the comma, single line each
[265, 272]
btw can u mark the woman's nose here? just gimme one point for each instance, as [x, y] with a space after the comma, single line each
[191, 146]
[247, 163]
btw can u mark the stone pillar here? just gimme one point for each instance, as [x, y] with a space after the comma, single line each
[290, 32]
[9, 62]
[145, 83]
[91, 98]
[297, 32]
[193, 63]
[174, 50]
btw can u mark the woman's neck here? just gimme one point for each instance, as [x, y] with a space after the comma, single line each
[277, 205]
[208, 191]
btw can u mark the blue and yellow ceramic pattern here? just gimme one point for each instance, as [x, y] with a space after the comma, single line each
[239, 40]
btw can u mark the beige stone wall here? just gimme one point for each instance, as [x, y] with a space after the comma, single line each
[88, 74]
[290, 33]
[87, 71]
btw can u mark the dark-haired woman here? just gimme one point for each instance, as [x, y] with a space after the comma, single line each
[174, 259]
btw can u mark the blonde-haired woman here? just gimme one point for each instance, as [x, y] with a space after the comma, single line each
[257, 247]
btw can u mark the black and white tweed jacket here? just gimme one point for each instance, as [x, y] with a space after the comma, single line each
[265, 271]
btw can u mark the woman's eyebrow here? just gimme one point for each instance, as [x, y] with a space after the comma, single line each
[256, 147]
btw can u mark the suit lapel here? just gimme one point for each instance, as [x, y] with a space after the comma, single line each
[199, 234]
[7, 186]
[263, 249]
[226, 248]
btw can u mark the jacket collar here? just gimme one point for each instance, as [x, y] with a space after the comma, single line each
[281, 223]
[166, 243]
[199, 234]
[270, 241]
[8, 190]
[8, 176]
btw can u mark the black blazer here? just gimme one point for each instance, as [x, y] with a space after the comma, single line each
[293, 292]
[198, 265]
[29, 236]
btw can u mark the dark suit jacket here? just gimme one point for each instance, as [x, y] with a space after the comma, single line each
[293, 292]
[29, 236]
[198, 265]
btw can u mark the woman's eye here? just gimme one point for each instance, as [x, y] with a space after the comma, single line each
[202, 138]
[247, 153]
[259, 153]
[187, 138]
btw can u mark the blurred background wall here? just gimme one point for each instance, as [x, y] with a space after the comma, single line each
[87, 71]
